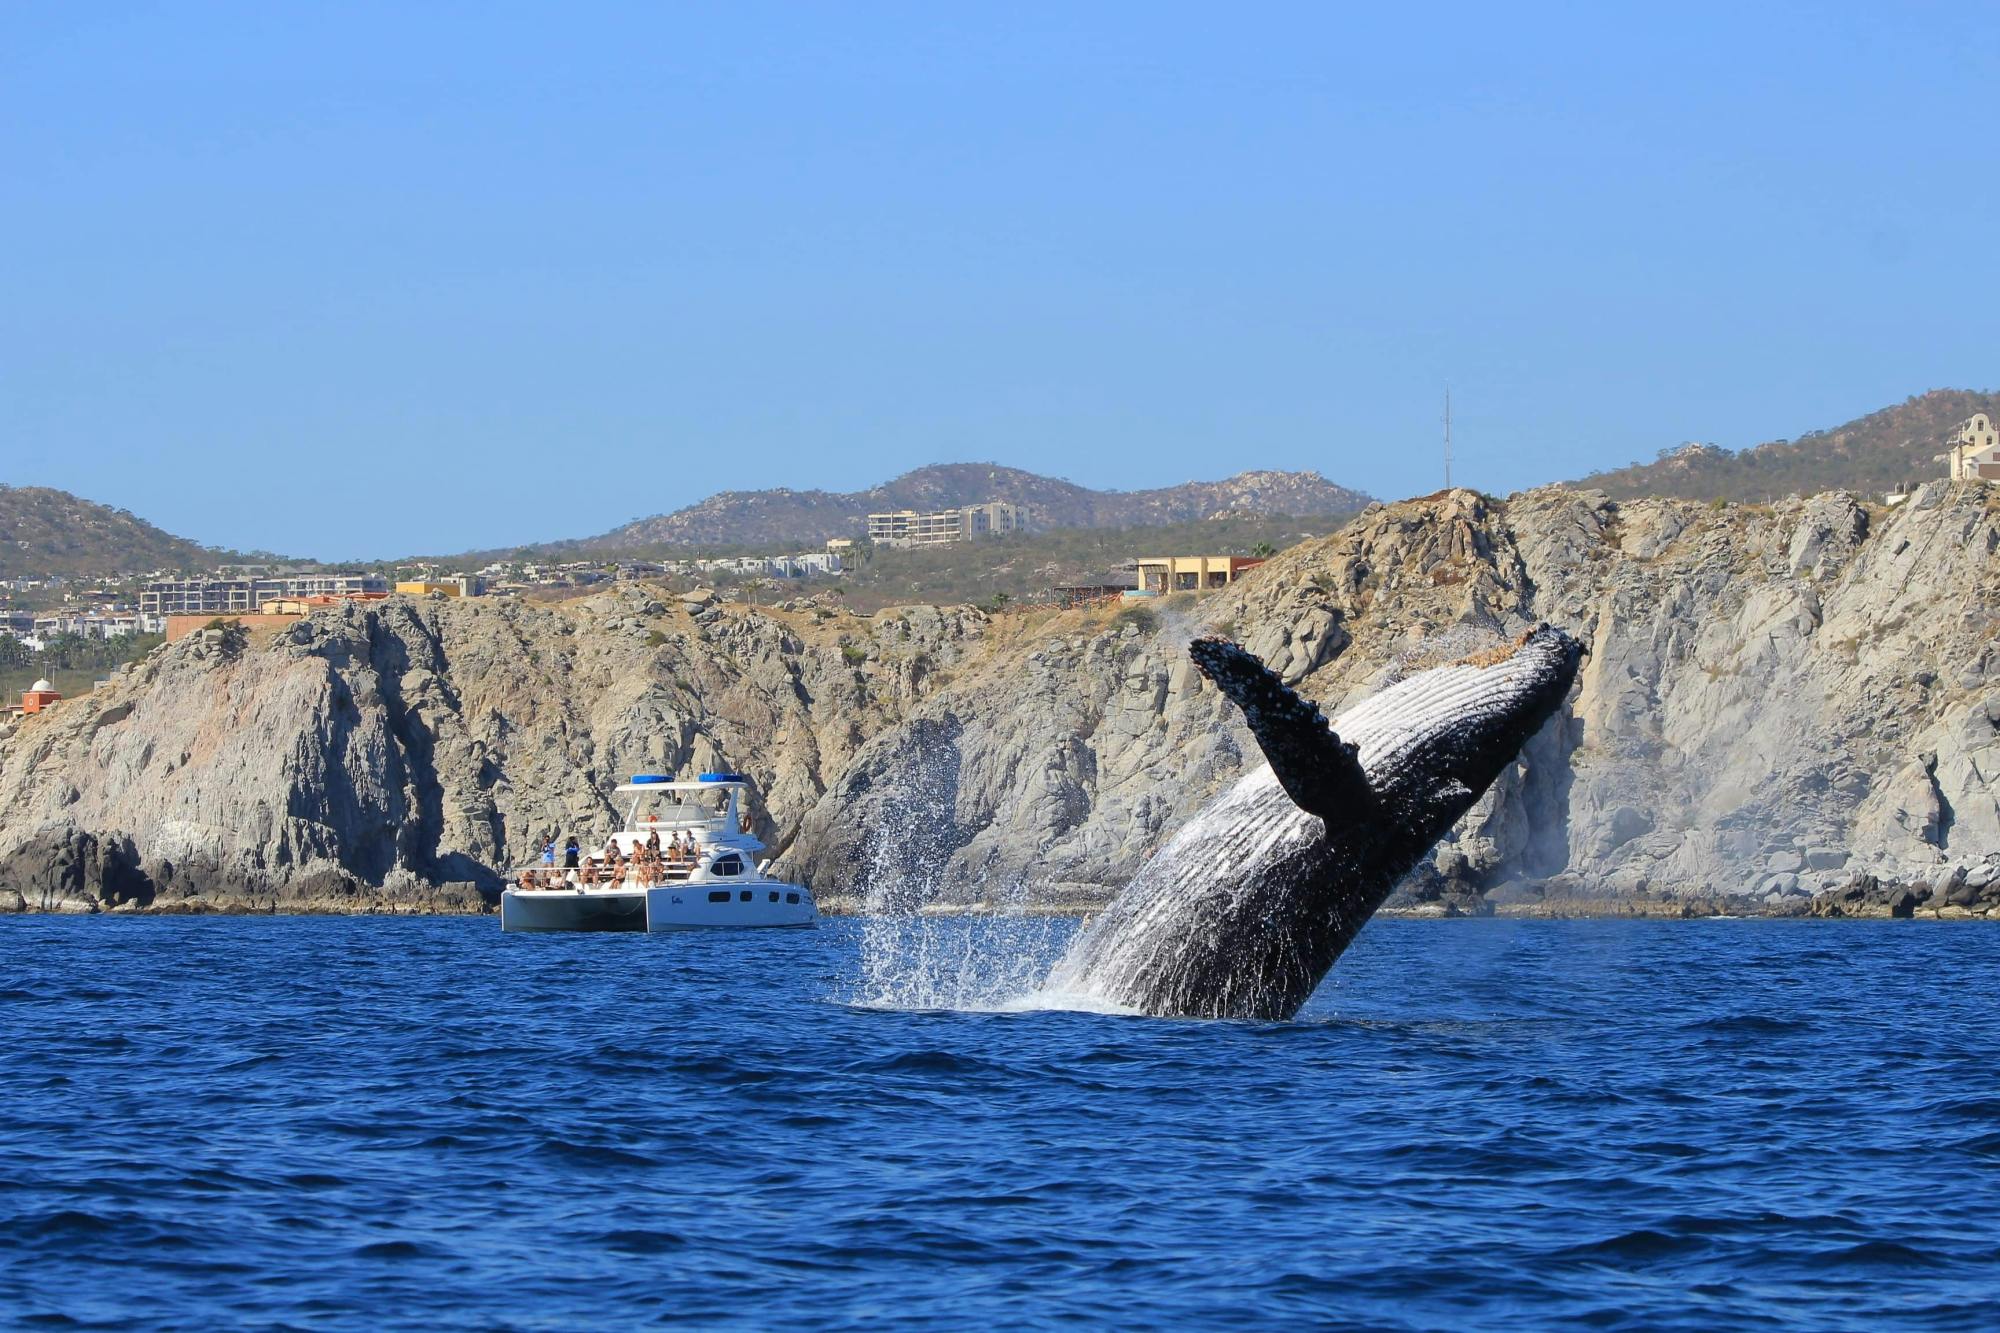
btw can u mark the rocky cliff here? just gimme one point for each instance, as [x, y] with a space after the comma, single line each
[1781, 702]
[398, 753]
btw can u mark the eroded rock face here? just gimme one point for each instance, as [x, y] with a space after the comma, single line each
[1777, 699]
[1780, 703]
[397, 754]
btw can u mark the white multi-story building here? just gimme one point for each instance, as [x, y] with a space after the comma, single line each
[943, 527]
[811, 564]
[242, 596]
[94, 625]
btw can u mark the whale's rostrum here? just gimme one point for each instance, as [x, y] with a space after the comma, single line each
[1247, 906]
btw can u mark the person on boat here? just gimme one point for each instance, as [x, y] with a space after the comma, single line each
[653, 843]
[549, 853]
[526, 881]
[571, 851]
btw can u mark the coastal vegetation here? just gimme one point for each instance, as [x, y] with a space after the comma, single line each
[1895, 446]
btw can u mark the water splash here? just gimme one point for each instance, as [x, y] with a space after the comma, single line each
[912, 956]
[963, 963]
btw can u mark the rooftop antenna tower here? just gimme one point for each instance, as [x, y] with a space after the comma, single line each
[1447, 437]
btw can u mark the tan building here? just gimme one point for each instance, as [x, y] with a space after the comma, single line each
[1974, 450]
[1190, 573]
[461, 586]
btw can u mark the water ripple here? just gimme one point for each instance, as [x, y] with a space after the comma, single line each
[1623, 1125]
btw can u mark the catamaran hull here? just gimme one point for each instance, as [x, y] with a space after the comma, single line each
[705, 907]
[676, 907]
[572, 911]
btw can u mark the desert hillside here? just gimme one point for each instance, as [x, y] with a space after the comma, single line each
[47, 532]
[781, 516]
[1897, 445]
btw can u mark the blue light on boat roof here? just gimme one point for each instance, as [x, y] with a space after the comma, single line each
[645, 779]
[722, 777]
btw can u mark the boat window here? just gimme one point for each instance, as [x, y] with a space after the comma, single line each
[731, 864]
[746, 895]
[774, 895]
[791, 897]
[719, 896]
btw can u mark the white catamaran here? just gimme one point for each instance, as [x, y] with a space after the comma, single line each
[683, 861]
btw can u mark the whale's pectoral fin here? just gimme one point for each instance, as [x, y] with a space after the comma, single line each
[1317, 769]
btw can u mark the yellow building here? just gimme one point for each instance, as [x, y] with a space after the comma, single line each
[1190, 573]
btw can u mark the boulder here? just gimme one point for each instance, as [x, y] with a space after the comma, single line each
[1514, 893]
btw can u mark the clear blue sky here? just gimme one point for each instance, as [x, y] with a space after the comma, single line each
[358, 280]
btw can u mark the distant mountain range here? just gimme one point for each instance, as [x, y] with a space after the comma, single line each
[50, 532]
[781, 515]
[46, 532]
[1868, 455]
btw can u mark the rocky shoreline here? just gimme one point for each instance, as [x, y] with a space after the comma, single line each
[1799, 701]
[1957, 896]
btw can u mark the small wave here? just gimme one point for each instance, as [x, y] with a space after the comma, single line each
[1644, 1243]
[929, 1062]
[631, 1241]
[1985, 1110]
[1739, 1025]
[392, 1249]
[724, 1071]
[585, 1154]
[69, 1222]
[1881, 1253]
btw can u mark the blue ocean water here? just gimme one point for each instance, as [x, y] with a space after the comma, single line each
[362, 1123]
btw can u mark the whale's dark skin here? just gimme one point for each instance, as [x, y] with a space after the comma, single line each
[1245, 909]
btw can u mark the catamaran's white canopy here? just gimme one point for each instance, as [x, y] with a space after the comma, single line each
[677, 786]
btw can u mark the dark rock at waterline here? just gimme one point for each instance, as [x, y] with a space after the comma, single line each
[69, 869]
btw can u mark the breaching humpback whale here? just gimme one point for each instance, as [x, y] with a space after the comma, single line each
[1243, 911]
